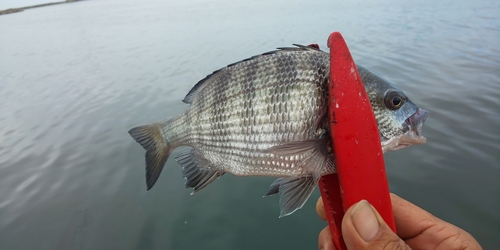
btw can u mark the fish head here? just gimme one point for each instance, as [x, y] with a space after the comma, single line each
[399, 120]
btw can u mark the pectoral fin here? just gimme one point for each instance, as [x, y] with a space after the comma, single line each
[294, 192]
[317, 154]
[297, 147]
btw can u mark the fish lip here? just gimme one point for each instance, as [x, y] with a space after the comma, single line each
[413, 134]
[400, 146]
[416, 121]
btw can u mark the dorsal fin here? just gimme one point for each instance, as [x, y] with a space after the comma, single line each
[198, 87]
[300, 47]
[202, 83]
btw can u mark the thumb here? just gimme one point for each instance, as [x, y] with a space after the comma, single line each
[364, 228]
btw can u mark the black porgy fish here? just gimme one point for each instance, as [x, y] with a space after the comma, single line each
[267, 116]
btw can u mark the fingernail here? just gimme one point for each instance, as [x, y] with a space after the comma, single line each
[365, 220]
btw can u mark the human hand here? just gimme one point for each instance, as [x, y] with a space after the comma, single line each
[364, 228]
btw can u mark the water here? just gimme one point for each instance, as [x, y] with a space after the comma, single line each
[75, 77]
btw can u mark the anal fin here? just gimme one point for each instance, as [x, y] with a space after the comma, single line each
[274, 188]
[196, 170]
[294, 192]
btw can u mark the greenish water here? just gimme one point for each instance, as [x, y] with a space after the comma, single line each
[74, 78]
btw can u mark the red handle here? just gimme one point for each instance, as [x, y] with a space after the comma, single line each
[356, 141]
[329, 187]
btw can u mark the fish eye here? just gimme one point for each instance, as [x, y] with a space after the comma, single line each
[393, 99]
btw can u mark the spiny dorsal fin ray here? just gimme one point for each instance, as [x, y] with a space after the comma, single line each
[202, 83]
[299, 47]
[196, 171]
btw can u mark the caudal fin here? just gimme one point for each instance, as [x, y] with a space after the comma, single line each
[157, 150]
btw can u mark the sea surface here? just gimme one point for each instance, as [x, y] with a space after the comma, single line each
[74, 78]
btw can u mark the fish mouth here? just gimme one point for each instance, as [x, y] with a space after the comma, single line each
[415, 123]
[413, 136]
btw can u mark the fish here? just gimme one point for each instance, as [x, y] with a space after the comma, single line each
[267, 116]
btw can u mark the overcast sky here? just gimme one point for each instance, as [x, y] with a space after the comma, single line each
[7, 4]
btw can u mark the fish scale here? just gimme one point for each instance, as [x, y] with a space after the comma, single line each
[221, 137]
[267, 116]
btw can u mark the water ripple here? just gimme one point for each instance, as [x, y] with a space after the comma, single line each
[98, 68]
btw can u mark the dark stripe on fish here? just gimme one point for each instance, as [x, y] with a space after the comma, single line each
[287, 68]
[218, 108]
[254, 67]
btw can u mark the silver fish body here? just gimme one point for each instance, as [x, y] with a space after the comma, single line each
[267, 116]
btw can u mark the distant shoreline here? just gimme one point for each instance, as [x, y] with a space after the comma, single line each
[15, 10]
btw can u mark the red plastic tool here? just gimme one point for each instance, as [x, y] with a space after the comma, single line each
[358, 155]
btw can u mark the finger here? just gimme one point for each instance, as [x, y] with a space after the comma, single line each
[410, 219]
[320, 209]
[364, 228]
[422, 230]
[325, 240]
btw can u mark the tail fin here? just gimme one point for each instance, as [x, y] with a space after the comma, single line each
[157, 150]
